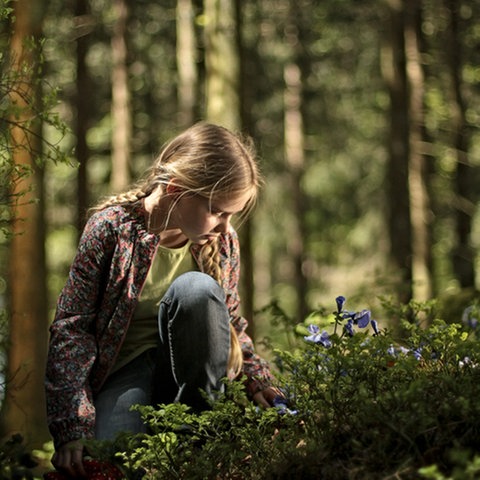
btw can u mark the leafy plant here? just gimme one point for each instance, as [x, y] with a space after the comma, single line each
[16, 462]
[356, 405]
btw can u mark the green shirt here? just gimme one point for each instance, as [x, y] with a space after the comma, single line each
[142, 334]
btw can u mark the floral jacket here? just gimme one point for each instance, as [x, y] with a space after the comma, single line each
[94, 310]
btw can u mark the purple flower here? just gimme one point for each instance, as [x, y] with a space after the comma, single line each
[374, 325]
[318, 337]
[468, 317]
[362, 319]
[395, 352]
[417, 353]
[281, 404]
[340, 303]
[349, 328]
[401, 350]
[347, 315]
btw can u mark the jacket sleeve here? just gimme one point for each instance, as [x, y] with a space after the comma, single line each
[72, 347]
[255, 368]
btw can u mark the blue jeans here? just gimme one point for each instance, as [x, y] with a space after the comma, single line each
[192, 356]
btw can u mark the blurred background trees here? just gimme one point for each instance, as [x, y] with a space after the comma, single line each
[365, 116]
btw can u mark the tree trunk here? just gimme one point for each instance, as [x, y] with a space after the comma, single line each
[420, 210]
[246, 83]
[398, 196]
[463, 254]
[121, 114]
[295, 158]
[83, 110]
[186, 63]
[24, 404]
[295, 155]
[222, 64]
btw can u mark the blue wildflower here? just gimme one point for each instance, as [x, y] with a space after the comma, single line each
[340, 303]
[281, 404]
[362, 319]
[401, 350]
[391, 351]
[347, 315]
[374, 325]
[417, 353]
[349, 328]
[318, 337]
[468, 318]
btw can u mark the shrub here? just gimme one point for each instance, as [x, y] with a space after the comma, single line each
[357, 405]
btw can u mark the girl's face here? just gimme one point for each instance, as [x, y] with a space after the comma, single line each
[201, 219]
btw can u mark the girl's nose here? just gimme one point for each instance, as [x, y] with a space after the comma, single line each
[224, 224]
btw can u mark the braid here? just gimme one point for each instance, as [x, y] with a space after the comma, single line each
[210, 264]
[143, 188]
[124, 198]
[210, 260]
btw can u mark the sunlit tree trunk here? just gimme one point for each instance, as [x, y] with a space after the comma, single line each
[83, 25]
[121, 109]
[398, 196]
[24, 405]
[186, 63]
[420, 211]
[222, 64]
[295, 156]
[463, 255]
[247, 231]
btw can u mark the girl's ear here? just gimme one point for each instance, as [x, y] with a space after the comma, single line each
[173, 188]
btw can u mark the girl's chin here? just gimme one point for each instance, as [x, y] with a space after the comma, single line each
[202, 240]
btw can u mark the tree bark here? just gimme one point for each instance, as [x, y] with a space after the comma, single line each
[246, 81]
[83, 110]
[221, 64]
[186, 63]
[295, 153]
[420, 210]
[121, 108]
[24, 404]
[463, 257]
[398, 195]
[295, 159]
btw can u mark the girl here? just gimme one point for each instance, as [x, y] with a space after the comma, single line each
[150, 310]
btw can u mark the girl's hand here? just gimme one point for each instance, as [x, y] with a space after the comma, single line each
[265, 398]
[69, 459]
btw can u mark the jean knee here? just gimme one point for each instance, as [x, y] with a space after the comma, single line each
[196, 287]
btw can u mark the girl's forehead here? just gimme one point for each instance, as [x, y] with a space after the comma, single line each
[233, 203]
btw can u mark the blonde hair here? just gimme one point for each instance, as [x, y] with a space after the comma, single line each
[210, 161]
[210, 262]
[205, 159]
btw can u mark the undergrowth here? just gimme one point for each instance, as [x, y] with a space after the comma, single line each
[359, 403]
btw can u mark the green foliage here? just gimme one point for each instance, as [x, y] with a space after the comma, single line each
[232, 440]
[15, 460]
[18, 462]
[27, 104]
[357, 406]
